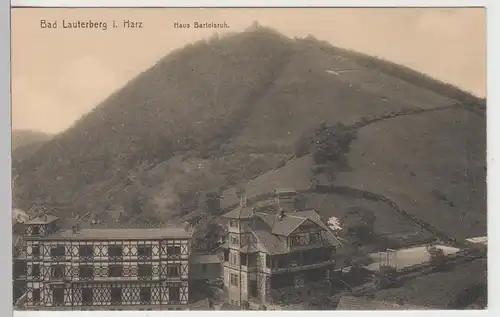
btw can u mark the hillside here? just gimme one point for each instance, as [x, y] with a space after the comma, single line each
[25, 143]
[21, 138]
[217, 113]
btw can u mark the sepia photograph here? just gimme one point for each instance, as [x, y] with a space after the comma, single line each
[257, 159]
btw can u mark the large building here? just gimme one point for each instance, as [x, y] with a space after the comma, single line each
[274, 259]
[105, 269]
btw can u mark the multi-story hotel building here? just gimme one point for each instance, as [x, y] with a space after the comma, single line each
[273, 259]
[105, 269]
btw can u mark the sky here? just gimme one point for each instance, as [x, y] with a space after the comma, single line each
[60, 74]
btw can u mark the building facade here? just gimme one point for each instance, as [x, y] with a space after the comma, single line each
[105, 269]
[276, 259]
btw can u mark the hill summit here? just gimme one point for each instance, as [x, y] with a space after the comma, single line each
[215, 113]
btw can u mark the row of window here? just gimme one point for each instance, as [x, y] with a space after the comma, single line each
[114, 270]
[116, 296]
[304, 239]
[113, 250]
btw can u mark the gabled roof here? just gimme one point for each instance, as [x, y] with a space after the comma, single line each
[363, 303]
[287, 224]
[270, 243]
[290, 221]
[240, 213]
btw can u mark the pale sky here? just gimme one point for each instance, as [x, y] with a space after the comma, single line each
[60, 74]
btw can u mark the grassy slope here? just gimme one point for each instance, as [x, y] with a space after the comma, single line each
[234, 105]
[438, 290]
[186, 102]
[417, 160]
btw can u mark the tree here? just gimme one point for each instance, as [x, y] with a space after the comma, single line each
[360, 222]
[385, 277]
[330, 143]
[212, 202]
[438, 258]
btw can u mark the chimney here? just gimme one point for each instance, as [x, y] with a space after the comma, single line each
[45, 217]
[281, 214]
[285, 199]
[243, 201]
[75, 229]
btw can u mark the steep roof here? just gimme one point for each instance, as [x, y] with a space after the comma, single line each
[285, 226]
[363, 303]
[240, 213]
[290, 221]
[271, 243]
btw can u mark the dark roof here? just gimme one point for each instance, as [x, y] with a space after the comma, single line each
[240, 213]
[122, 234]
[363, 303]
[290, 221]
[270, 243]
[287, 224]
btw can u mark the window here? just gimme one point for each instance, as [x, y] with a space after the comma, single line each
[226, 255]
[35, 270]
[35, 230]
[36, 295]
[87, 296]
[174, 250]
[57, 271]
[116, 296]
[173, 270]
[233, 224]
[145, 295]
[174, 294]
[20, 269]
[86, 251]
[314, 238]
[144, 251]
[235, 240]
[268, 261]
[57, 251]
[234, 279]
[203, 268]
[115, 270]
[233, 259]
[244, 259]
[35, 250]
[86, 271]
[115, 251]
[294, 241]
[58, 296]
[145, 270]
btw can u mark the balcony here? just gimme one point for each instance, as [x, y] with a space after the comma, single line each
[295, 266]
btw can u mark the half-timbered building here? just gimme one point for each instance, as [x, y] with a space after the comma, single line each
[105, 269]
[274, 259]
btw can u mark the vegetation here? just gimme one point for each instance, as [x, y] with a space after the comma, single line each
[359, 222]
[386, 277]
[439, 290]
[438, 258]
[184, 128]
